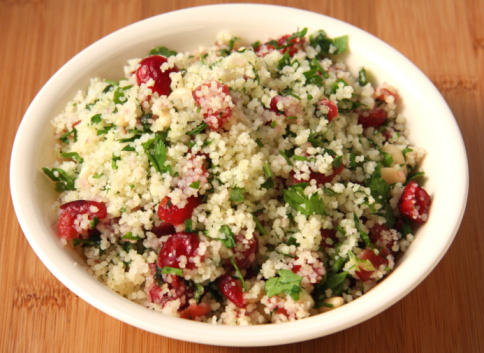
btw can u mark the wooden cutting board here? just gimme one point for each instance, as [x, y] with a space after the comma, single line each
[444, 38]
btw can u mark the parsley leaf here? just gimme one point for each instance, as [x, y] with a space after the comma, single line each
[73, 155]
[287, 282]
[172, 271]
[199, 129]
[229, 240]
[163, 51]
[156, 152]
[307, 205]
[328, 45]
[362, 80]
[63, 180]
[237, 195]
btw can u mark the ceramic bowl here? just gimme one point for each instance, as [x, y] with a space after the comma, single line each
[430, 122]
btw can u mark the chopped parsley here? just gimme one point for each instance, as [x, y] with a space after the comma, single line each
[73, 155]
[63, 180]
[229, 240]
[237, 194]
[172, 271]
[287, 282]
[163, 51]
[306, 205]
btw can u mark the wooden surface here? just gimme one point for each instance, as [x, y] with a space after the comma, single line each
[445, 39]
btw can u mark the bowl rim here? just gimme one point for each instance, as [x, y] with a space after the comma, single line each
[128, 312]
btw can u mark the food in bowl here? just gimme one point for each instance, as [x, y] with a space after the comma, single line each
[239, 184]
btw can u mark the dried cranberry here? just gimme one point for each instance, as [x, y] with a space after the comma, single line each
[382, 236]
[273, 104]
[332, 108]
[372, 118]
[162, 229]
[313, 271]
[327, 234]
[175, 215]
[287, 45]
[70, 211]
[150, 68]
[244, 252]
[178, 245]
[376, 261]
[415, 203]
[215, 102]
[232, 290]
[195, 310]
[177, 290]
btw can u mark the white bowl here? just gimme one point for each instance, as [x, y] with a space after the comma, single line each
[430, 121]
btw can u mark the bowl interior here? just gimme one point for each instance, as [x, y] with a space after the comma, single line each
[430, 122]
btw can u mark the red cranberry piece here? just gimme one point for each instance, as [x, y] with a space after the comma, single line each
[332, 108]
[151, 69]
[376, 261]
[372, 118]
[381, 235]
[179, 244]
[291, 46]
[69, 212]
[195, 310]
[232, 290]
[244, 252]
[328, 234]
[273, 105]
[175, 215]
[215, 102]
[178, 290]
[415, 203]
[163, 229]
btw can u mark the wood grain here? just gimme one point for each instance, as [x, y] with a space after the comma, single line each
[444, 38]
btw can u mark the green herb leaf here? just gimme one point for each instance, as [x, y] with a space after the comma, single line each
[63, 180]
[163, 51]
[73, 155]
[92, 241]
[188, 225]
[287, 282]
[195, 185]
[130, 236]
[64, 138]
[282, 153]
[119, 96]
[306, 205]
[94, 222]
[229, 240]
[325, 43]
[259, 143]
[255, 73]
[156, 151]
[387, 159]
[96, 119]
[362, 80]
[237, 194]
[267, 169]
[199, 129]
[238, 274]
[114, 161]
[259, 226]
[364, 235]
[199, 290]
[268, 184]
[172, 271]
